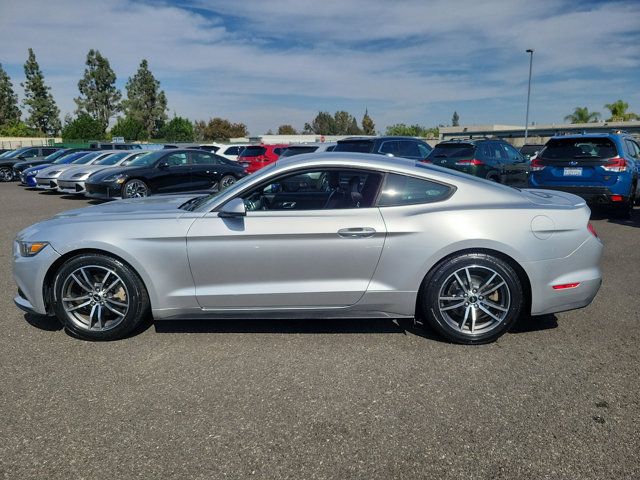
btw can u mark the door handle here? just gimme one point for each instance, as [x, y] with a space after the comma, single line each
[288, 204]
[357, 232]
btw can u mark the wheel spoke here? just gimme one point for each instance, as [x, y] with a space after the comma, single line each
[488, 282]
[86, 278]
[493, 289]
[497, 319]
[81, 283]
[489, 303]
[76, 307]
[466, 316]
[473, 318]
[459, 281]
[466, 270]
[117, 304]
[99, 308]
[109, 307]
[113, 284]
[93, 310]
[448, 299]
[76, 299]
[455, 305]
[104, 280]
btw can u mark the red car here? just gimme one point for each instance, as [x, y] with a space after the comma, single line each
[254, 157]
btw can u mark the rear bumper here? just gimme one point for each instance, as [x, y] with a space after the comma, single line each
[582, 267]
[592, 195]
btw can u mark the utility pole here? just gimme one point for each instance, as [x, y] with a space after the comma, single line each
[526, 122]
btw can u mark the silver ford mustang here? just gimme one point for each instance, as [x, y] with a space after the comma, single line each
[329, 235]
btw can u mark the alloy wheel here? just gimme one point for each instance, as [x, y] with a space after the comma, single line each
[6, 175]
[474, 300]
[135, 189]
[95, 298]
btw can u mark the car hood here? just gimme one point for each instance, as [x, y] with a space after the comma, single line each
[37, 168]
[101, 175]
[87, 169]
[22, 165]
[133, 206]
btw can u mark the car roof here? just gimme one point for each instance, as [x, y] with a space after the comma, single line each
[592, 135]
[384, 137]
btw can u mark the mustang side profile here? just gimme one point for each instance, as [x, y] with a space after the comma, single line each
[330, 235]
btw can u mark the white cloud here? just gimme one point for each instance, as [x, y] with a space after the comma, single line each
[266, 63]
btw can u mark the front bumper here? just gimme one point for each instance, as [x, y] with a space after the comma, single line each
[47, 183]
[72, 187]
[102, 191]
[29, 274]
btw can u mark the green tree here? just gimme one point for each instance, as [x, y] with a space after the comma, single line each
[219, 129]
[131, 129]
[582, 115]
[145, 101]
[43, 113]
[17, 129]
[9, 111]
[323, 124]
[400, 129]
[619, 112]
[368, 127]
[353, 129]
[99, 96]
[83, 127]
[455, 120]
[287, 130]
[178, 130]
[342, 122]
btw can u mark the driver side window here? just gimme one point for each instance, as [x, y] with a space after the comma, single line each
[326, 189]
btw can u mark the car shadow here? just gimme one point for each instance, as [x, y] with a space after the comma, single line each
[600, 213]
[528, 323]
[286, 326]
[43, 322]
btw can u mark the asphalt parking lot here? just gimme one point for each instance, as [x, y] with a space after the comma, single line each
[556, 398]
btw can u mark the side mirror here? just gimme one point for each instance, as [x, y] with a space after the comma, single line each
[163, 165]
[233, 209]
[390, 155]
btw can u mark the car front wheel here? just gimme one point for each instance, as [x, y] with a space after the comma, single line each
[226, 181]
[135, 189]
[472, 298]
[98, 297]
[6, 174]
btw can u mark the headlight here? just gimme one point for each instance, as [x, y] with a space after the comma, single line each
[55, 172]
[118, 178]
[81, 174]
[29, 249]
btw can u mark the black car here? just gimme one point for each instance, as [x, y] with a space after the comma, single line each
[530, 149]
[489, 158]
[406, 147]
[20, 167]
[8, 161]
[165, 171]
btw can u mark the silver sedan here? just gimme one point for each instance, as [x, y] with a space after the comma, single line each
[332, 235]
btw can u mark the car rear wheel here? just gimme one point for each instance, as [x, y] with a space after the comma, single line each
[98, 297]
[226, 181]
[472, 298]
[6, 174]
[135, 189]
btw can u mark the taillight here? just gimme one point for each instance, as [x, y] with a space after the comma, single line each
[616, 198]
[615, 164]
[592, 230]
[564, 286]
[470, 162]
[536, 165]
[425, 161]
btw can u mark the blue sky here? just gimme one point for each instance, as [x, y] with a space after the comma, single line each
[266, 63]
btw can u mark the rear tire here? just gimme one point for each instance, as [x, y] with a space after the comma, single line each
[97, 297]
[225, 182]
[6, 174]
[472, 298]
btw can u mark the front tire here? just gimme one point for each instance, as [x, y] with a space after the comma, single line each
[97, 297]
[225, 182]
[472, 298]
[135, 189]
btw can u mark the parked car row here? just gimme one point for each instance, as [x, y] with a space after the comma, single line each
[601, 168]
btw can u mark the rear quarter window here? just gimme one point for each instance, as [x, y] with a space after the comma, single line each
[253, 151]
[358, 146]
[404, 190]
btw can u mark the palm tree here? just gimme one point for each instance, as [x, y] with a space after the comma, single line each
[582, 115]
[619, 112]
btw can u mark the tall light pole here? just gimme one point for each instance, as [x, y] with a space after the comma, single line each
[526, 123]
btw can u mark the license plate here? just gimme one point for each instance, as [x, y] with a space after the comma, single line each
[572, 172]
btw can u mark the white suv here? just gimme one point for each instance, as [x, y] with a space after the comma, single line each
[230, 151]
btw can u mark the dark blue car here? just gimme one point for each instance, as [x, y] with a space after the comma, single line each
[602, 168]
[28, 175]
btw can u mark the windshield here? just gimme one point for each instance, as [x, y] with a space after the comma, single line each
[583, 148]
[7, 154]
[69, 157]
[148, 159]
[55, 155]
[253, 151]
[86, 158]
[358, 146]
[16, 153]
[112, 159]
[291, 151]
[200, 201]
[452, 150]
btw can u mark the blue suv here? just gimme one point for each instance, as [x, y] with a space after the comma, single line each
[602, 168]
